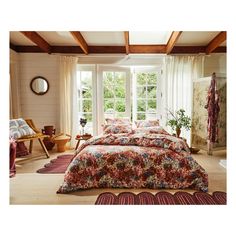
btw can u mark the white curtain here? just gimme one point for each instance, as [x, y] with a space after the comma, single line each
[68, 97]
[177, 85]
[14, 89]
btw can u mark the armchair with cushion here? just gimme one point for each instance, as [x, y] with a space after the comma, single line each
[24, 130]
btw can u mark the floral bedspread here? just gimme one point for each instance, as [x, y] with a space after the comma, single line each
[134, 161]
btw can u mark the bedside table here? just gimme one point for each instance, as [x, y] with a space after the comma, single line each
[82, 137]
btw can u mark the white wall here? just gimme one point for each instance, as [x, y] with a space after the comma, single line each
[215, 62]
[43, 109]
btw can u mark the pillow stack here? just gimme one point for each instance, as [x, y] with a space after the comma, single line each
[117, 126]
[124, 125]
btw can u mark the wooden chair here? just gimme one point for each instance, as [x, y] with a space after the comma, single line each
[39, 136]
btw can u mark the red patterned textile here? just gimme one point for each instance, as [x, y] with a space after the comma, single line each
[162, 198]
[213, 109]
[21, 149]
[140, 160]
[12, 157]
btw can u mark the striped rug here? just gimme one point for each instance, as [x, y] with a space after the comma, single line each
[57, 166]
[162, 198]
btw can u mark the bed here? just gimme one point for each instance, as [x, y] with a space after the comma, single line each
[140, 159]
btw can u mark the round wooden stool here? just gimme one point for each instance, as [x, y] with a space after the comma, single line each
[61, 140]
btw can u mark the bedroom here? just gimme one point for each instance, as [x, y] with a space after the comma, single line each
[140, 75]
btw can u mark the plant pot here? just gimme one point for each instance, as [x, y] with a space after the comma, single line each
[178, 131]
[49, 130]
[48, 142]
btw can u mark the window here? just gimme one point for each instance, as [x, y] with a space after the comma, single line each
[145, 91]
[114, 94]
[85, 98]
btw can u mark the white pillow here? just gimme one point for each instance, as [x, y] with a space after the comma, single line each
[19, 128]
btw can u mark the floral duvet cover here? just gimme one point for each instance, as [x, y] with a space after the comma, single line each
[139, 160]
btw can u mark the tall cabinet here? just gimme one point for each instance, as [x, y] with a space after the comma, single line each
[200, 115]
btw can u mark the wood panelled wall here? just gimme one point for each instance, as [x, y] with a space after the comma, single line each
[44, 110]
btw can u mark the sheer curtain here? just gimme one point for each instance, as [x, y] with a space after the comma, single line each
[14, 87]
[177, 85]
[68, 97]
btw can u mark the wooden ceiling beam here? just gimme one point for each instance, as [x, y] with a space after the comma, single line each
[216, 42]
[107, 49]
[172, 41]
[147, 48]
[118, 49]
[38, 40]
[80, 40]
[13, 47]
[126, 34]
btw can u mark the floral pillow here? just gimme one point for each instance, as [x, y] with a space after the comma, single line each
[19, 128]
[117, 129]
[146, 123]
[116, 121]
[151, 130]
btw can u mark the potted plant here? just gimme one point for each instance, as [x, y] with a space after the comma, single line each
[179, 120]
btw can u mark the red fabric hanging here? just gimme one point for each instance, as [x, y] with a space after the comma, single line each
[213, 110]
[12, 150]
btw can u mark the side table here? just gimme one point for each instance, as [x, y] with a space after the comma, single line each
[82, 137]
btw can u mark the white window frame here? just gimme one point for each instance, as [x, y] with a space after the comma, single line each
[100, 98]
[92, 68]
[146, 69]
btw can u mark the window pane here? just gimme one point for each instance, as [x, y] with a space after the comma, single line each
[108, 78]
[119, 78]
[141, 105]
[120, 91]
[109, 105]
[151, 78]
[88, 116]
[141, 78]
[152, 105]
[87, 92]
[152, 91]
[86, 84]
[108, 93]
[141, 92]
[87, 106]
[120, 106]
[141, 116]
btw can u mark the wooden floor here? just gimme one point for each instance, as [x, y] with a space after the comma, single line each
[29, 187]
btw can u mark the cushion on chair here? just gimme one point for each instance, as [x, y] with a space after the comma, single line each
[19, 128]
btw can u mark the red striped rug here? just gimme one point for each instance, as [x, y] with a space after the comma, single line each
[162, 198]
[57, 166]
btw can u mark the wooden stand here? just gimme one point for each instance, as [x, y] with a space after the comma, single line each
[83, 137]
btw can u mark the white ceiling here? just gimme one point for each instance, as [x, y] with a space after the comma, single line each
[104, 38]
[17, 39]
[116, 38]
[196, 38]
[58, 38]
[149, 37]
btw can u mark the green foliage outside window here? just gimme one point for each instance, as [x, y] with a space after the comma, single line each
[114, 85]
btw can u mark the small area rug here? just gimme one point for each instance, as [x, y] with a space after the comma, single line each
[57, 166]
[162, 198]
